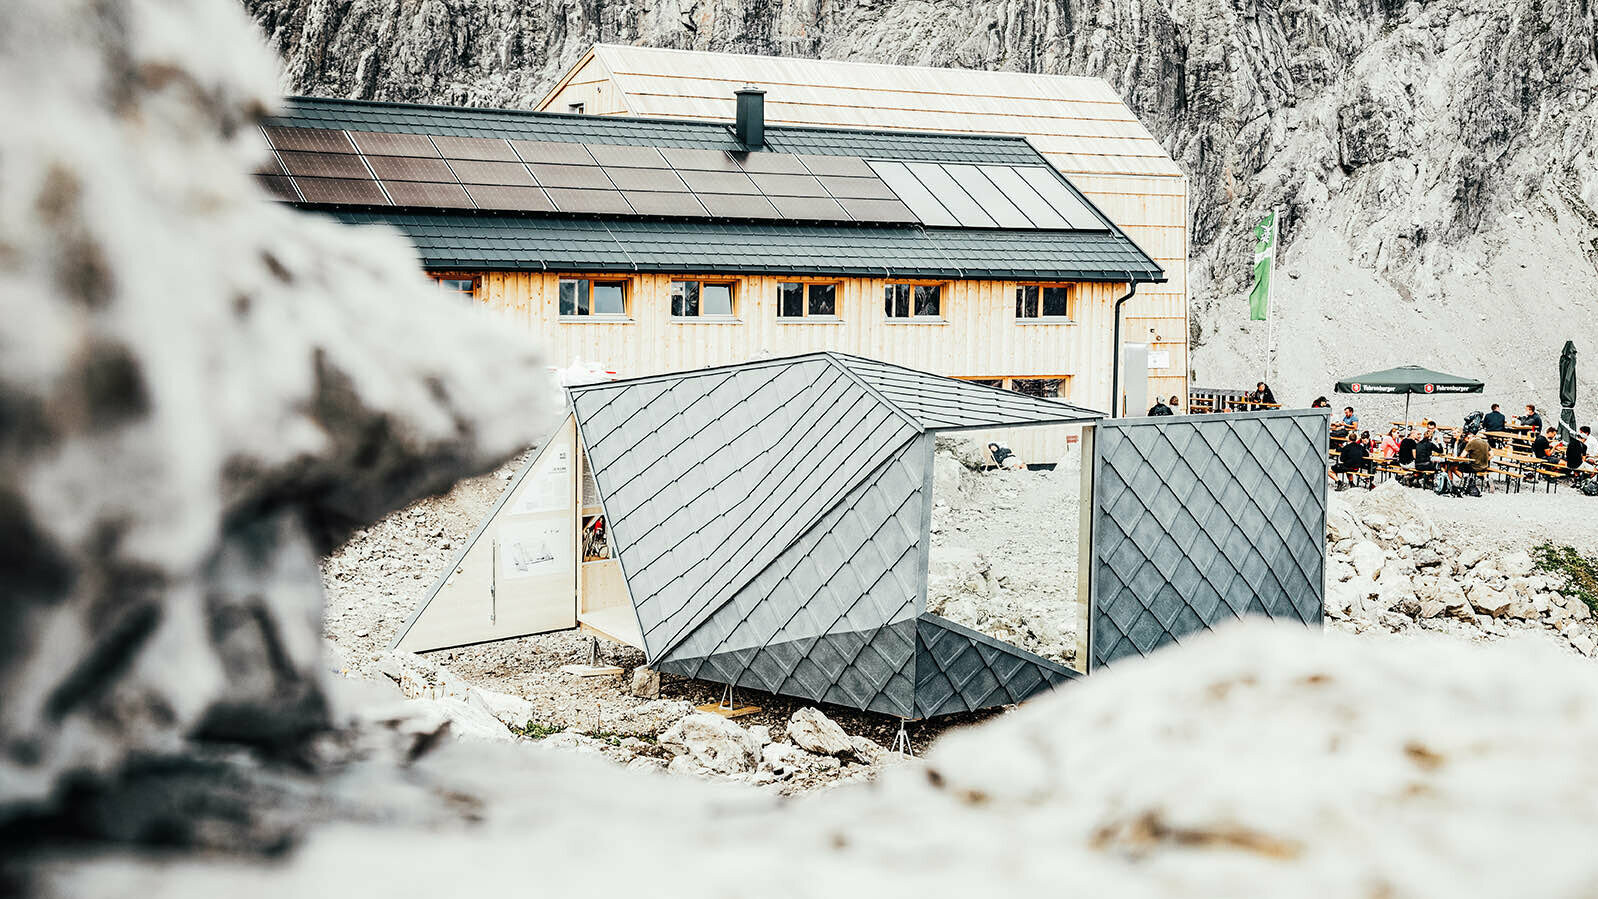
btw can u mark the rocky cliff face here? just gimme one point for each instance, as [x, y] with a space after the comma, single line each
[1434, 161]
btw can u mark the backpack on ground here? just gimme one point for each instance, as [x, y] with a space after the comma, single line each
[1589, 487]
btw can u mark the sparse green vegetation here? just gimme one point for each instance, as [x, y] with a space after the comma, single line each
[535, 731]
[1578, 574]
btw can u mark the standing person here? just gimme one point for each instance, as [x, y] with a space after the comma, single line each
[1493, 420]
[1159, 408]
[1175, 404]
[1531, 418]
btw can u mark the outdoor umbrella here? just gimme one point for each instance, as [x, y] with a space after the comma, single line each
[1567, 389]
[1408, 379]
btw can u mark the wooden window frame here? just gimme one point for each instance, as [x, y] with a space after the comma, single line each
[471, 296]
[806, 316]
[1071, 290]
[1007, 382]
[700, 318]
[913, 318]
[628, 287]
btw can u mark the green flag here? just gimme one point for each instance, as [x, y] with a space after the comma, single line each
[1259, 298]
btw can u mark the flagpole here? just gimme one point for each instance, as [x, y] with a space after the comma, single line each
[1270, 297]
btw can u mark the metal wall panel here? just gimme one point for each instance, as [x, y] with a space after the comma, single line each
[1199, 519]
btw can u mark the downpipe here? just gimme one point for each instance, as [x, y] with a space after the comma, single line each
[1115, 349]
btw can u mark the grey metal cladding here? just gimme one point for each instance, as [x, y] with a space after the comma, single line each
[1199, 519]
[855, 568]
[707, 477]
[871, 670]
[958, 669]
[939, 402]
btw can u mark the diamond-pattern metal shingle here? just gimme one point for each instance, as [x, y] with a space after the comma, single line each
[1200, 519]
[771, 522]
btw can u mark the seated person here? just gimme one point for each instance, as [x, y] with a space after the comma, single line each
[1531, 418]
[1159, 408]
[1543, 447]
[1321, 402]
[1576, 449]
[1389, 447]
[1351, 459]
[1175, 404]
[1478, 455]
[1349, 421]
[1494, 420]
[1406, 450]
[1262, 394]
[1425, 448]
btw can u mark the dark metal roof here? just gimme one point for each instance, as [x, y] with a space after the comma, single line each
[487, 241]
[411, 118]
[476, 242]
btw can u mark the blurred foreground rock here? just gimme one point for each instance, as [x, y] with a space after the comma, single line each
[201, 393]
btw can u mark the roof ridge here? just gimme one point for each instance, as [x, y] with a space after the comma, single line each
[632, 48]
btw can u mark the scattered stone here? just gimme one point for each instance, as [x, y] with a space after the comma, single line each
[760, 733]
[1490, 602]
[647, 720]
[710, 742]
[646, 683]
[1516, 564]
[1368, 558]
[813, 731]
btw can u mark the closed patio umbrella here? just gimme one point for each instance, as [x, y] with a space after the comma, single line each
[1408, 380]
[1567, 389]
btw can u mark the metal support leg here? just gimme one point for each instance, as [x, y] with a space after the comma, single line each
[901, 741]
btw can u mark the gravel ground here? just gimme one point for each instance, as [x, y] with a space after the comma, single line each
[1004, 559]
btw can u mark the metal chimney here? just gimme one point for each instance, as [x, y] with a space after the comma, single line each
[750, 126]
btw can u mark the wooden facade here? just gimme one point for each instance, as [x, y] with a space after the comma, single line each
[1079, 124]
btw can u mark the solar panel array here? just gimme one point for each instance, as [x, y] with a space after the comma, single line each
[365, 168]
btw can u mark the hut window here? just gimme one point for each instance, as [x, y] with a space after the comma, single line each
[1050, 388]
[701, 299]
[582, 297]
[912, 300]
[461, 286]
[798, 299]
[576, 108]
[1043, 301]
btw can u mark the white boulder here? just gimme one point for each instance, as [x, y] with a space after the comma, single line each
[813, 731]
[710, 742]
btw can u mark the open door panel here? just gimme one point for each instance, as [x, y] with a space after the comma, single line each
[518, 574]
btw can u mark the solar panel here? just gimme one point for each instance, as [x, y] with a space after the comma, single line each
[316, 140]
[857, 188]
[846, 166]
[637, 157]
[384, 143]
[700, 160]
[789, 185]
[739, 206]
[915, 195]
[474, 147]
[877, 210]
[1021, 194]
[954, 198]
[646, 179]
[720, 182]
[821, 209]
[771, 164]
[279, 186]
[269, 166]
[509, 198]
[409, 168]
[324, 165]
[552, 151]
[428, 193]
[351, 191]
[587, 177]
[477, 172]
[646, 202]
[1049, 186]
[589, 201]
[990, 198]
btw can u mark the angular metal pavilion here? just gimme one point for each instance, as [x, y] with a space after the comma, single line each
[771, 520]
